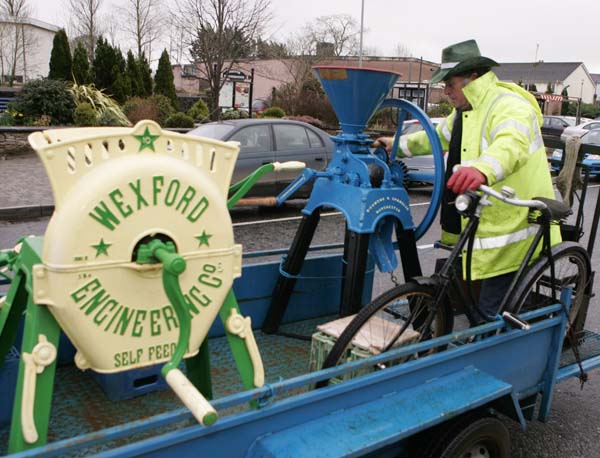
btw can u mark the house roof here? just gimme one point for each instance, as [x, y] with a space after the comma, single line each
[29, 21]
[536, 72]
[595, 77]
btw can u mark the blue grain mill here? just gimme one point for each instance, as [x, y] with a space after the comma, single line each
[366, 186]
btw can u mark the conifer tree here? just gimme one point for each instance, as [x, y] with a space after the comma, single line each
[135, 76]
[60, 58]
[163, 80]
[109, 69]
[146, 76]
[81, 65]
[120, 89]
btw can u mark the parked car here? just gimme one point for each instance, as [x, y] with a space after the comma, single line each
[555, 125]
[413, 125]
[268, 140]
[580, 129]
[421, 168]
[591, 137]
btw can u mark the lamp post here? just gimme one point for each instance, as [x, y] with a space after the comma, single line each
[362, 21]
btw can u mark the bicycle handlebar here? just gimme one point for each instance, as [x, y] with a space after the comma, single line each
[507, 195]
[537, 204]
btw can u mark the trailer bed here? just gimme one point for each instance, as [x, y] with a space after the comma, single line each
[80, 407]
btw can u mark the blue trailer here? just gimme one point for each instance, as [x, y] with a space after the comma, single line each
[379, 413]
[139, 259]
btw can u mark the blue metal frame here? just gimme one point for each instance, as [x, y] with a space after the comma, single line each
[512, 366]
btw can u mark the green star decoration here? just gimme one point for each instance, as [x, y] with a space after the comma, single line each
[101, 247]
[203, 239]
[146, 140]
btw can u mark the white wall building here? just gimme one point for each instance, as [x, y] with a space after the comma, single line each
[25, 46]
[596, 78]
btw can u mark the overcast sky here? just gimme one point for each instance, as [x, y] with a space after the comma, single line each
[506, 30]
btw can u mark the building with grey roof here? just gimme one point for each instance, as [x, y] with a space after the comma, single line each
[558, 75]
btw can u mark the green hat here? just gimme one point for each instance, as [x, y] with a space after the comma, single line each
[460, 58]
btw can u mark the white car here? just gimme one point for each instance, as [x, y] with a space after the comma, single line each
[580, 129]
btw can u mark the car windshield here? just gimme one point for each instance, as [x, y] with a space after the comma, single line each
[212, 130]
[411, 128]
[592, 137]
[570, 121]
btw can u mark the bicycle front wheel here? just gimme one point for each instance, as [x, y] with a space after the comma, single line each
[571, 270]
[401, 316]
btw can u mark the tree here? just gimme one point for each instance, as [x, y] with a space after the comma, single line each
[16, 41]
[60, 58]
[218, 33]
[303, 58]
[268, 49]
[81, 65]
[107, 67]
[120, 88]
[146, 76]
[402, 50]
[564, 109]
[85, 22]
[142, 21]
[163, 80]
[132, 70]
[335, 35]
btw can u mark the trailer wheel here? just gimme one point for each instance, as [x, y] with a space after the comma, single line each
[485, 437]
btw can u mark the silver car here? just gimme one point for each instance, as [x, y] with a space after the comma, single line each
[269, 140]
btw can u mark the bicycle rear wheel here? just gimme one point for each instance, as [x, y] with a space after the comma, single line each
[401, 316]
[571, 269]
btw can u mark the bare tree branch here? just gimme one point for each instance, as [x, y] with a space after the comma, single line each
[402, 50]
[14, 40]
[85, 22]
[340, 31]
[143, 21]
[219, 33]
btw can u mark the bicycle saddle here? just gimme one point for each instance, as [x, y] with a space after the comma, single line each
[556, 210]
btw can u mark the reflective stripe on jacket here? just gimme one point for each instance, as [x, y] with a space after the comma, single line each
[501, 138]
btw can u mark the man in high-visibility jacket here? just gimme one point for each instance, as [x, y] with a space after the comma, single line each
[494, 134]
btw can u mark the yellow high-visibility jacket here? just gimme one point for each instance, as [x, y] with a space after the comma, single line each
[501, 138]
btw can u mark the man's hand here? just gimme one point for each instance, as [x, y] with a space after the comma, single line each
[465, 178]
[384, 142]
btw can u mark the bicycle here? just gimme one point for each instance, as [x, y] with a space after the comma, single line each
[421, 307]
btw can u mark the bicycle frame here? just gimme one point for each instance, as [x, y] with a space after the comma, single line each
[448, 271]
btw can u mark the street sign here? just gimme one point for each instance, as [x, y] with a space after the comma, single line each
[234, 75]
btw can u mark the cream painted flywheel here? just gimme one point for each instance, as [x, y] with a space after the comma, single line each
[114, 189]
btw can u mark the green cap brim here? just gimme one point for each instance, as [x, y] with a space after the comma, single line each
[469, 64]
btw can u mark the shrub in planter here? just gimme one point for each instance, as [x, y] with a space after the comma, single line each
[198, 111]
[107, 110]
[234, 114]
[138, 108]
[164, 107]
[6, 119]
[85, 115]
[307, 119]
[49, 98]
[109, 119]
[179, 120]
[273, 112]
